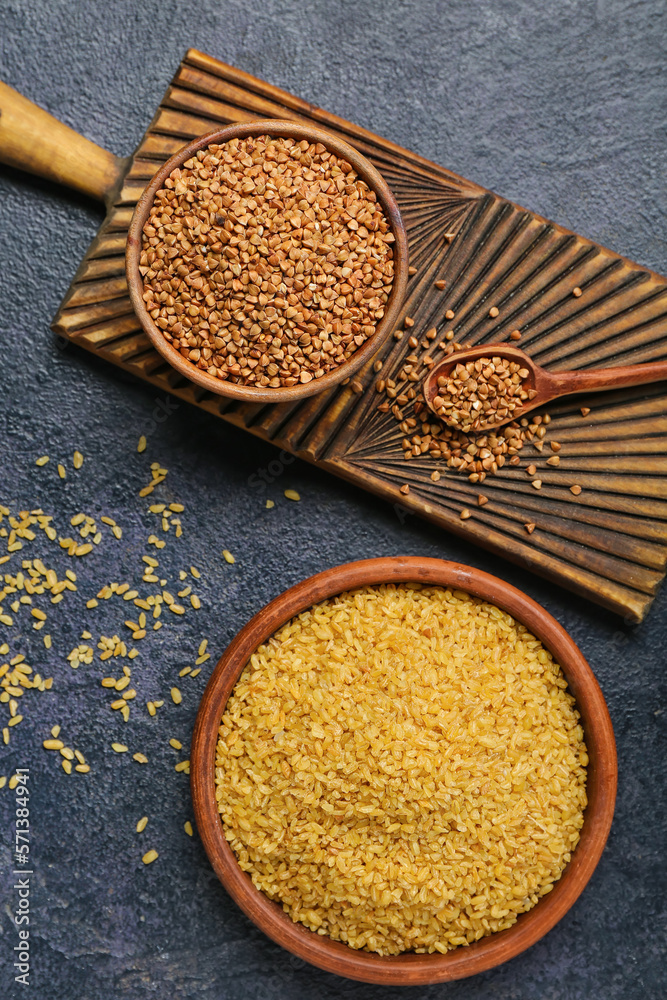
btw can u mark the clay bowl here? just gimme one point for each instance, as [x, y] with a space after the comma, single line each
[384, 328]
[408, 969]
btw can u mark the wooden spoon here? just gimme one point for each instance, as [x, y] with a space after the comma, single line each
[548, 385]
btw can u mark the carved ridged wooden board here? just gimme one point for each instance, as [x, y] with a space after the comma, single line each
[609, 543]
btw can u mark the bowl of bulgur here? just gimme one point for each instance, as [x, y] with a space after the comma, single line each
[403, 771]
[267, 261]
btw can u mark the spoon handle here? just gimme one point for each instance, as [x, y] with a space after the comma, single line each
[598, 379]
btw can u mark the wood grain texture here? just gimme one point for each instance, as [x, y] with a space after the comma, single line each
[33, 140]
[610, 543]
[407, 969]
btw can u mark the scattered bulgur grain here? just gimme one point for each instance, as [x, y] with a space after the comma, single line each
[269, 504]
[150, 856]
[61, 471]
[228, 557]
[119, 747]
[187, 826]
[77, 460]
[141, 825]
[176, 744]
[176, 696]
[42, 460]
[140, 758]
[141, 446]
[292, 495]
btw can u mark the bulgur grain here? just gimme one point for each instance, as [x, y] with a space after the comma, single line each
[402, 768]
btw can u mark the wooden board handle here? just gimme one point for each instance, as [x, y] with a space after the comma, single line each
[32, 140]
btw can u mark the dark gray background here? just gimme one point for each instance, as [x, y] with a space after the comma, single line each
[559, 106]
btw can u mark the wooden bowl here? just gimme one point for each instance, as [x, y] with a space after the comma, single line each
[365, 170]
[407, 969]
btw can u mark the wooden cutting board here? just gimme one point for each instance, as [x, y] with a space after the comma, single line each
[608, 544]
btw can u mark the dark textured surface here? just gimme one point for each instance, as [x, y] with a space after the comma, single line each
[560, 109]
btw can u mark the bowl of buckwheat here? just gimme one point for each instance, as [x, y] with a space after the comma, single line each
[267, 261]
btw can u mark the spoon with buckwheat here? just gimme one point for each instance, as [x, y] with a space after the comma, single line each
[481, 388]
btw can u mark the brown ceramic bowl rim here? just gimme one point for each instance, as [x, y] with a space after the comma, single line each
[365, 170]
[407, 969]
